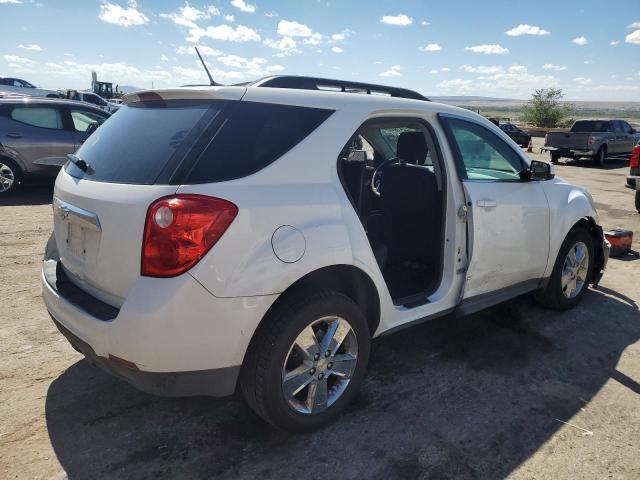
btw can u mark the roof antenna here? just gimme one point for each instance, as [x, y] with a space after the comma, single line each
[211, 81]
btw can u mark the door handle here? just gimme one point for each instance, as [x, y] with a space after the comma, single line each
[487, 202]
[14, 135]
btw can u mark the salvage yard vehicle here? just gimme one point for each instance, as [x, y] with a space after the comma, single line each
[595, 139]
[36, 134]
[521, 137]
[634, 173]
[259, 236]
[94, 99]
[22, 87]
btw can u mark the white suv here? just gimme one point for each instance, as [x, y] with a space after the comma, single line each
[260, 236]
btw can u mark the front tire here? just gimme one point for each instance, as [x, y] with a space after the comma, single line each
[572, 272]
[10, 177]
[306, 361]
[555, 159]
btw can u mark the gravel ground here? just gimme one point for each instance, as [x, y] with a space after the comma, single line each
[484, 396]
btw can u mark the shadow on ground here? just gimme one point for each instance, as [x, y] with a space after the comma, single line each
[29, 195]
[610, 163]
[454, 398]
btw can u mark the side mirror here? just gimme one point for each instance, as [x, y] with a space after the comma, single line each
[538, 171]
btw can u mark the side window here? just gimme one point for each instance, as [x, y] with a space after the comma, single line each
[617, 127]
[44, 117]
[94, 99]
[626, 128]
[267, 132]
[82, 119]
[482, 154]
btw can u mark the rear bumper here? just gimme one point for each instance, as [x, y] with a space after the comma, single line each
[570, 152]
[170, 337]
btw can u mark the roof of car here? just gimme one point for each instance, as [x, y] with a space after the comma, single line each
[31, 100]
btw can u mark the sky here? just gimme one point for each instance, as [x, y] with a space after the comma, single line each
[498, 48]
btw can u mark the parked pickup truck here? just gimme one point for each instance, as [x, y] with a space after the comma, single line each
[596, 139]
[634, 173]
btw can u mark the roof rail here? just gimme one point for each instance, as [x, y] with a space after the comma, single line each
[314, 83]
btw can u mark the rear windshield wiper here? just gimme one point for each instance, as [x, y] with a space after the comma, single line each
[80, 163]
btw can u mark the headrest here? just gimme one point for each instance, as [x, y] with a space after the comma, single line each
[412, 147]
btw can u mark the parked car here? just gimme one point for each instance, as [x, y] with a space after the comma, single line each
[22, 87]
[520, 137]
[596, 139]
[634, 173]
[114, 104]
[36, 134]
[94, 99]
[210, 237]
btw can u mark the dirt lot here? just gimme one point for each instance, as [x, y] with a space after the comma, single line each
[477, 397]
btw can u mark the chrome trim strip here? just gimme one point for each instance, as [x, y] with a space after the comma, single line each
[84, 217]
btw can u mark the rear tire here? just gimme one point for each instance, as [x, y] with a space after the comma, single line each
[276, 354]
[555, 159]
[599, 157]
[569, 282]
[638, 200]
[10, 177]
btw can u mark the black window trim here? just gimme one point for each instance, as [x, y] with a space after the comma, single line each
[457, 154]
[69, 119]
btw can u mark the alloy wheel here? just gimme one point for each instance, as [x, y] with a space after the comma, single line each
[7, 177]
[575, 270]
[319, 365]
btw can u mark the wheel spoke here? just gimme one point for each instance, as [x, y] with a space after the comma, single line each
[566, 278]
[336, 333]
[307, 343]
[296, 380]
[317, 396]
[571, 257]
[343, 365]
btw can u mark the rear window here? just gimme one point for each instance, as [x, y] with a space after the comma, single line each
[253, 136]
[135, 145]
[590, 126]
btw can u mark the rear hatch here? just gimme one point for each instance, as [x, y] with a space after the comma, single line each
[131, 160]
[568, 140]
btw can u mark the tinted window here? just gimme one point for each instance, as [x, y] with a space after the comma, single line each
[590, 126]
[484, 156]
[135, 145]
[82, 119]
[45, 117]
[626, 128]
[94, 99]
[252, 137]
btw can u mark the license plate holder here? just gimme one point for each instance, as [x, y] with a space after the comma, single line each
[76, 238]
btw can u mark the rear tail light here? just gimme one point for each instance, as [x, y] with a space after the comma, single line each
[634, 161]
[180, 230]
[591, 140]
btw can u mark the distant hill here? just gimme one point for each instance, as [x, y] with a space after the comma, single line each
[129, 88]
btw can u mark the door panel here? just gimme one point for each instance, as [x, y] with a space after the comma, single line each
[509, 234]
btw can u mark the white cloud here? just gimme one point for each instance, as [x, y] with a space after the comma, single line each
[633, 37]
[164, 58]
[551, 66]
[482, 69]
[19, 60]
[583, 81]
[32, 46]
[580, 41]
[433, 72]
[187, 16]
[431, 47]
[125, 17]
[274, 68]
[314, 39]
[243, 6]
[634, 25]
[288, 28]
[400, 19]
[16, 2]
[424, 22]
[515, 80]
[589, 62]
[204, 50]
[336, 50]
[225, 33]
[394, 71]
[488, 49]
[230, 18]
[524, 29]
[614, 43]
[271, 14]
[444, 69]
[286, 45]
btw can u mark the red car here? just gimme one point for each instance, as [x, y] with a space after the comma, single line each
[634, 173]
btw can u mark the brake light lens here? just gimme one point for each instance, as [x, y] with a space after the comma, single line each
[179, 230]
[591, 140]
[634, 161]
